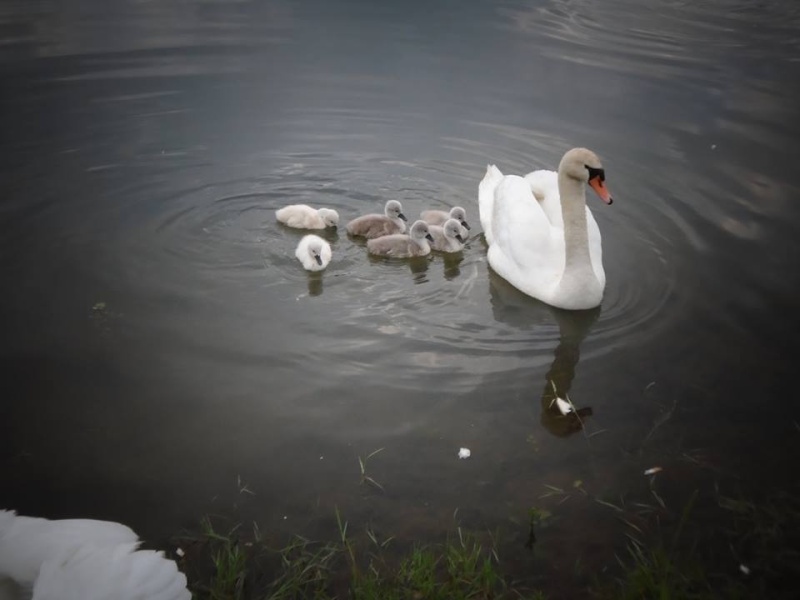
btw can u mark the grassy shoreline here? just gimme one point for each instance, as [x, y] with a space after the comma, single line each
[669, 558]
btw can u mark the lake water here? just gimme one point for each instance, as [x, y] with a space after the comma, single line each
[161, 344]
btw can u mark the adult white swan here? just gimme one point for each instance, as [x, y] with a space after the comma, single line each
[542, 237]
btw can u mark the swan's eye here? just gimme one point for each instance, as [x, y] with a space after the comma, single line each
[593, 172]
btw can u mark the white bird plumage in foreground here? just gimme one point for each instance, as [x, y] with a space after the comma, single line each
[81, 559]
[313, 252]
[542, 237]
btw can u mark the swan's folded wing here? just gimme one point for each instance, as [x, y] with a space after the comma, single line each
[544, 185]
[522, 230]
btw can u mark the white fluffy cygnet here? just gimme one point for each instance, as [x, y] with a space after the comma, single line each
[401, 245]
[72, 559]
[302, 216]
[438, 217]
[313, 252]
[447, 238]
[374, 225]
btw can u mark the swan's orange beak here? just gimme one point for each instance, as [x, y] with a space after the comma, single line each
[599, 186]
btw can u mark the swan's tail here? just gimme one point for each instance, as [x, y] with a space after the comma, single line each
[486, 199]
[492, 174]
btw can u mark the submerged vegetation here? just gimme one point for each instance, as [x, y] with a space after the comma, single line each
[229, 566]
[678, 560]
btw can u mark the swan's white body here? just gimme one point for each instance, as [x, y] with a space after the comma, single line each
[542, 237]
[448, 237]
[313, 252]
[401, 245]
[80, 559]
[302, 216]
[374, 225]
[439, 217]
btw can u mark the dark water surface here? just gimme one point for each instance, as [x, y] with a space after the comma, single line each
[160, 339]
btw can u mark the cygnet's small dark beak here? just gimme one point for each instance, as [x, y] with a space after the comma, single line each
[429, 236]
[466, 225]
[459, 238]
[402, 216]
[319, 259]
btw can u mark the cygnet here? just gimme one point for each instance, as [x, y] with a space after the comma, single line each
[302, 216]
[438, 217]
[448, 237]
[374, 225]
[313, 252]
[401, 245]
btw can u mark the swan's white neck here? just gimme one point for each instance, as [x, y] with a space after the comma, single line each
[578, 275]
[573, 211]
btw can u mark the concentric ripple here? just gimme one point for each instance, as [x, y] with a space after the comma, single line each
[217, 250]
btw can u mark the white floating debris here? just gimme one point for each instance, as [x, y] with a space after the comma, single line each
[563, 406]
[713, 146]
[464, 453]
[179, 552]
[744, 569]
[653, 470]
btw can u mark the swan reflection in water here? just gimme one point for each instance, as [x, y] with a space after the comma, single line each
[451, 262]
[420, 265]
[510, 306]
[573, 327]
[315, 283]
[417, 265]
